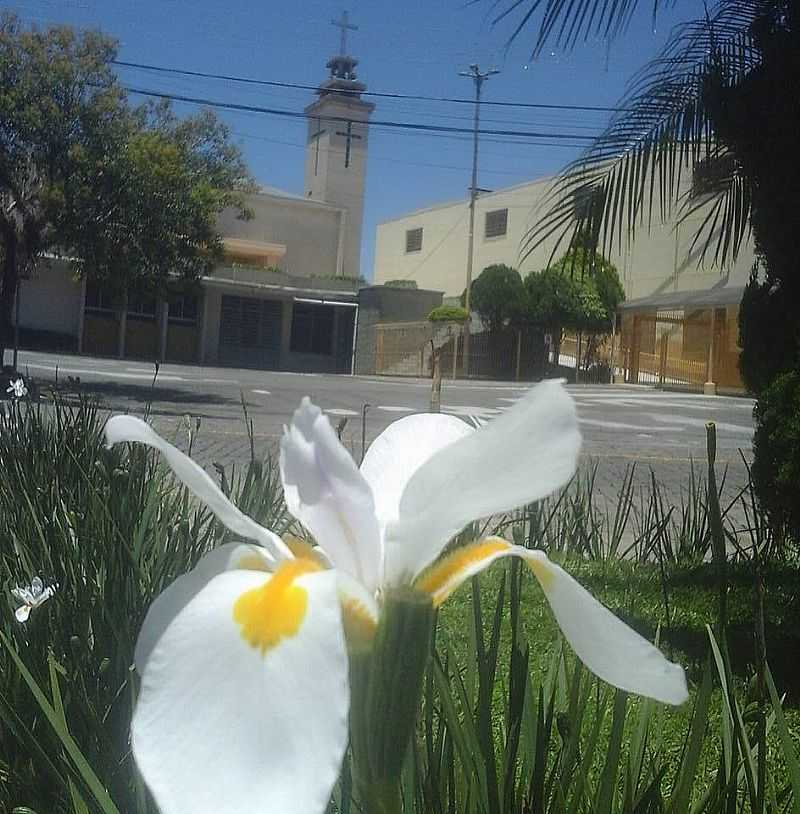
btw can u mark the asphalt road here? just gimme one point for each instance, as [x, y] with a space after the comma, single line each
[662, 431]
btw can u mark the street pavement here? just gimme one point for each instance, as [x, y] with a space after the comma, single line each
[621, 424]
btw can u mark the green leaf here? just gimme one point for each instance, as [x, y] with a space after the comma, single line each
[82, 765]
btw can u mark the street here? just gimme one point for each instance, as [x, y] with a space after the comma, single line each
[620, 423]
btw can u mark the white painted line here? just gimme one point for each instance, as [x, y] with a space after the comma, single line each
[262, 392]
[618, 425]
[341, 411]
[699, 423]
[111, 373]
[391, 409]
[467, 412]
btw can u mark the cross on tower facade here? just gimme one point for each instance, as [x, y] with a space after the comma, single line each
[349, 135]
[344, 25]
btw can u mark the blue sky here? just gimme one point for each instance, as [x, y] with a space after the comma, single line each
[415, 47]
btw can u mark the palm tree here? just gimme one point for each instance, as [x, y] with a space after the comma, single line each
[707, 127]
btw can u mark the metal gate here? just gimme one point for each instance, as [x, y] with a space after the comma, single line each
[250, 332]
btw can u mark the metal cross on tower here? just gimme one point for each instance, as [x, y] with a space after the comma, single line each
[345, 26]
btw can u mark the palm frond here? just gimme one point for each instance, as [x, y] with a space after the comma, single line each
[564, 23]
[644, 166]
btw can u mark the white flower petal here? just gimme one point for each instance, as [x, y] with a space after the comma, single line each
[223, 728]
[606, 645]
[22, 595]
[521, 456]
[22, 613]
[399, 451]
[170, 602]
[325, 491]
[128, 428]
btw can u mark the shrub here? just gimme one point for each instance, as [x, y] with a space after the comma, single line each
[498, 296]
[448, 313]
[776, 443]
[400, 284]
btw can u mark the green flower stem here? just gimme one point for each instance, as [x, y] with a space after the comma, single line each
[386, 687]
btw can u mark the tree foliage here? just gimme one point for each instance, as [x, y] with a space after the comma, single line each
[581, 292]
[498, 297]
[776, 464]
[128, 194]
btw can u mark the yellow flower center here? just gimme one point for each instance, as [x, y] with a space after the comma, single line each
[275, 610]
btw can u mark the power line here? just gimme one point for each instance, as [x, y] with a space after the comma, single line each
[377, 94]
[430, 128]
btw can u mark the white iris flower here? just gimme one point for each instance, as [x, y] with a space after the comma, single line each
[17, 389]
[31, 597]
[244, 696]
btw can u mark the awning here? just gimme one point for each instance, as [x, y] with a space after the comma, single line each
[672, 300]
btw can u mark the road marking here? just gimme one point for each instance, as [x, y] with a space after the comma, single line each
[469, 412]
[340, 411]
[618, 425]
[698, 423]
[111, 373]
[388, 408]
[262, 392]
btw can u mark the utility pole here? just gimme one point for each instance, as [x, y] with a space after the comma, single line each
[474, 73]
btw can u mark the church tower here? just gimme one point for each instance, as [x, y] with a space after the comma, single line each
[336, 151]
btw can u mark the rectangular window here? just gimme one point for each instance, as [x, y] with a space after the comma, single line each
[98, 301]
[414, 240]
[312, 329]
[141, 306]
[183, 309]
[496, 223]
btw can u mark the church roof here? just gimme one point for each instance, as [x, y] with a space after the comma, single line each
[265, 189]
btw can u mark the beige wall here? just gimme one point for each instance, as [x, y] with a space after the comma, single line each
[659, 261]
[308, 229]
[50, 300]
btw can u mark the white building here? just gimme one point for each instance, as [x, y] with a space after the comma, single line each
[285, 295]
[679, 323]
[429, 246]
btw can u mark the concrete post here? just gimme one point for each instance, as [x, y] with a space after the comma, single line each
[710, 386]
[163, 326]
[436, 383]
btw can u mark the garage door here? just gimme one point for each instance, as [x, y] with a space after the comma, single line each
[250, 332]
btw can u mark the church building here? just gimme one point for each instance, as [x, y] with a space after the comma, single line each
[285, 296]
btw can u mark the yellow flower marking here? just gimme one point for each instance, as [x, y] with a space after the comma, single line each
[541, 571]
[252, 562]
[359, 625]
[275, 610]
[303, 550]
[447, 573]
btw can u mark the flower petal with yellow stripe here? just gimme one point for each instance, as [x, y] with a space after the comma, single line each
[607, 646]
[246, 686]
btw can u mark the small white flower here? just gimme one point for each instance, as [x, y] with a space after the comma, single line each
[31, 597]
[17, 388]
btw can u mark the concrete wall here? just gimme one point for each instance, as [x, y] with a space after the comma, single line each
[378, 304]
[308, 229]
[660, 260]
[50, 301]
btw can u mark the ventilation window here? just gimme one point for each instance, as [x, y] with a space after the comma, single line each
[413, 240]
[496, 223]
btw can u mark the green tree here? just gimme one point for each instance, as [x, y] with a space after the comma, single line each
[129, 195]
[498, 296]
[580, 292]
